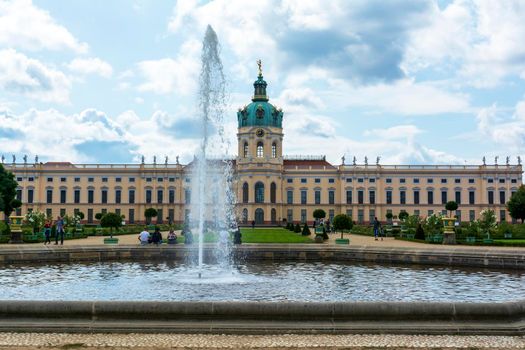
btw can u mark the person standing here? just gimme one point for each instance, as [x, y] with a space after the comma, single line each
[144, 237]
[377, 228]
[47, 231]
[60, 230]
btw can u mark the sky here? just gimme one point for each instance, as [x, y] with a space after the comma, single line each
[410, 81]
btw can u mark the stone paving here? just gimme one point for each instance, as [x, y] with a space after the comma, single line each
[274, 342]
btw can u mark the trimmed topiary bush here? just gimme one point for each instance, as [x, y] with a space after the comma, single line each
[297, 228]
[420, 233]
[306, 230]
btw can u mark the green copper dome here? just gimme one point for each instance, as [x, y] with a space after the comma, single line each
[260, 112]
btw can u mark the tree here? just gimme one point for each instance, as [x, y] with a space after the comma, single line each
[98, 216]
[389, 216]
[451, 206]
[150, 213]
[306, 230]
[487, 222]
[342, 222]
[297, 228]
[112, 221]
[420, 233]
[319, 214]
[8, 185]
[403, 215]
[516, 204]
[80, 215]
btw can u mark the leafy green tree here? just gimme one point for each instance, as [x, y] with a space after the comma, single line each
[99, 216]
[36, 219]
[516, 204]
[80, 215]
[306, 230]
[487, 222]
[451, 206]
[111, 220]
[389, 216]
[403, 215]
[342, 222]
[319, 214]
[8, 184]
[150, 213]
[433, 224]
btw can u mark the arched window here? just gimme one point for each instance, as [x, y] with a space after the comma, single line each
[259, 216]
[259, 192]
[245, 216]
[245, 149]
[273, 216]
[260, 150]
[274, 150]
[245, 193]
[273, 190]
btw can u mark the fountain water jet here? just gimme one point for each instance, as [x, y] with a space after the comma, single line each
[212, 194]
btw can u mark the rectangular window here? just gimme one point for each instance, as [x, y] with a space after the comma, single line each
[389, 197]
[471, 197]
[514, 181]
[303, 197]
[360, 216]
[104, 198]
[171, 179]
[402, 197]
[470, 181]
[289, 215]
[402, 181]
[117, 211]
[501, 181]
[430, 181]
[371, 180]
[349, 213]
[443, 181]
[289, 197]
[31, 179]
[471, 215]
[76, 196]
[76, 179]
[458, 197]
[444, 198]
[91, 196]
[118, 179]
[348, 196]
[187, 196]
[360, 180]
[171, 215]
[491, 197]
[331, 197]
[19, 179]
[348, 179]
[118, 196]
[49, 196]
[490, 181]
[131, 179]
[303, 216]
[160, 196]
[502, 215]
[49, 179]
[416, 212]
[331, 181]
[104, 179]
[430, 212]
[171, 195]
[91, 179]
[160, 217]
[19, 195]
[289, 181]
[317, 197]
[62, 196]
[416, 180]
[90, 216]
[501, 197]
[457, 181]
[430, 197]
[30, 195]
[131, 196]
[187, 180]
[444, 212]
[317, 180]
[148, 179]
[62, 212]
[371, 197]
[160, 179]
[388, 181]
[104, 211]
[303, 180]
[148, 196]
[131, 216]
[360, 197]
[416, 197]
[458, 215]
[331, 214]
[63, 179]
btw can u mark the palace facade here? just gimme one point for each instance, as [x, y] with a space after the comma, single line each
[270, 187]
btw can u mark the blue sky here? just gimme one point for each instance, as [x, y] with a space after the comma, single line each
[414, 82]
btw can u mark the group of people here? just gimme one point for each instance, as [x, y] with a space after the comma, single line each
[48, 224]
[146, 238]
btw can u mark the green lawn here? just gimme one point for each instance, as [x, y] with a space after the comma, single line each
[272, 235]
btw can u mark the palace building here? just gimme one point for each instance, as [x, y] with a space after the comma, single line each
[270, 187]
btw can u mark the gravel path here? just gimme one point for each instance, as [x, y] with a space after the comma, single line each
[25, 341]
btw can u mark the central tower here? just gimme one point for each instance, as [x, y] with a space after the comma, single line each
[260, 161]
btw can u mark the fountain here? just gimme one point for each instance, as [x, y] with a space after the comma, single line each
[213, 199]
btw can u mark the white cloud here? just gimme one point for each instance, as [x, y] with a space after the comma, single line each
[31, 78]
[507, 133]
[167, 75]
[25, 26]
[85, 66]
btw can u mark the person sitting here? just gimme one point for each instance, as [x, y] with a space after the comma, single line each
[172, 237]
[144, 237]
[156, 237]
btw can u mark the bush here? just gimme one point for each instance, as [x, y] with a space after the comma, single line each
[297, 228]
[403, 215]
[306, 230]
[362, 230]
[319, 214]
